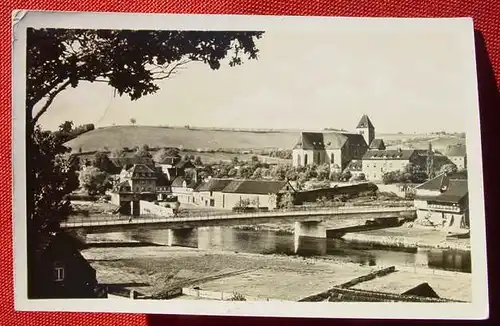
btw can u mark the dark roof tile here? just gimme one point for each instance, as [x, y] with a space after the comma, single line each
[404, 154]
[456, 150]
[179, 181]
[258, 187]
[330, 140]
[377, 144]
[452, 187]
[185, 165]
[365, 122]
[213, 185]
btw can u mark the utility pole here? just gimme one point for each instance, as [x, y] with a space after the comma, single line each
[430, 162]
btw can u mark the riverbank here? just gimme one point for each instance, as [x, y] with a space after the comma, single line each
[391, 237]
[408, 237]
[155, 270]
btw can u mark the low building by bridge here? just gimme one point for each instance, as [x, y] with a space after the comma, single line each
[231, 193]
[444, 201]
[137, 183]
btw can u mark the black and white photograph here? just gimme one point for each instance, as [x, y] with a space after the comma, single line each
[239, 165]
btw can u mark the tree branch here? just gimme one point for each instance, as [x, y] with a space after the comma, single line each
[169, 72]
[51, 97]
[42, 92]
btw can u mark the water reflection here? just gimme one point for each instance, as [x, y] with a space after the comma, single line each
[449, 259]
[268, 242]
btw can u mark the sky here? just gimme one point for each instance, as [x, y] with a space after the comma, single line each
[405, 81]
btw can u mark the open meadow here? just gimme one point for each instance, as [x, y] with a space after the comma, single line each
[214, 145]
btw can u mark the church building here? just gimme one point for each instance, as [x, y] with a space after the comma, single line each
[335, 148]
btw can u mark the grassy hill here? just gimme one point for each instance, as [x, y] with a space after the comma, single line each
[131, 136]
[421, 141]
[212, 139]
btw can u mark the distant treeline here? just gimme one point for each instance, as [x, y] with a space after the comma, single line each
[271, 152]
[257, 130]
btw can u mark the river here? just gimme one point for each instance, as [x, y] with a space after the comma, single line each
[269, 242]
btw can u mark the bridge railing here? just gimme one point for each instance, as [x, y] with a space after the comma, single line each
[101, 220]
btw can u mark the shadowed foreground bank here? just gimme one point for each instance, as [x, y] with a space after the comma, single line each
[152, 271]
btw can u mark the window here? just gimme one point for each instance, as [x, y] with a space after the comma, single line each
[58, 272]
[332, 158]
[305, 159]
[298, 160]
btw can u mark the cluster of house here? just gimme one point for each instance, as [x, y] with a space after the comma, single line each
[361, 153]
[441, 200]
[173, 178]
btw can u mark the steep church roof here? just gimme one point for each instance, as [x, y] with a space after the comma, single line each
[365, 122]
[377, 144]
[330, 140]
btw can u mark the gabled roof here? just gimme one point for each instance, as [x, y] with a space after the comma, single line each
[457, 190]
[330, 140]
[213, 185]
[178, 182]
[452, 187]
[141, 168]
[163, 157]
[393, 154]
[365, 122]
[310, 140]
[59, 239]
[161, 179]
[377, 144]
[257, 187]
[422, 290]
[456, 150]
[436, 182]
[185, 165]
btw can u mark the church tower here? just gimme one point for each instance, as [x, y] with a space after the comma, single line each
[366, 128]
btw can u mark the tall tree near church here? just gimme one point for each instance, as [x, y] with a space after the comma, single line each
[430, 162]
[131, 62]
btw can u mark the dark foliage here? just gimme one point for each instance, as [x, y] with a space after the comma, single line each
[50, 178]
[131, 61]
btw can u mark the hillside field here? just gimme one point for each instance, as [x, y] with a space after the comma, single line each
[194, 139]
[204, 140]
